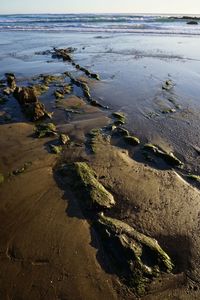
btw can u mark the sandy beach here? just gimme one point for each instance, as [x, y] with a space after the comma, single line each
[99, 166]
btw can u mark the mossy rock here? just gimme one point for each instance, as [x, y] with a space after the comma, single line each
[168, 111]
[132, 140]
[122, 131]
[1, 178]
[194, 177]
[21, 169]
[36, 111]
[121, 119]
[45, 130]
[59, 94]
[40, 89]
[95, 76]
[90, 191]
[55, 149]
[67, 89]
[170, 158]
[64, 139]
[151, 147]
[168, 85]
[139, 258]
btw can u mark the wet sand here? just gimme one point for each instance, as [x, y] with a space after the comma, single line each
[49, 248]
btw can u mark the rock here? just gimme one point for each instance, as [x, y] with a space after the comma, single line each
[7, 91]
[139, 258]
[67, 89]
[10, 77]
[120, 118]
[90, 191]
[95, 76]
[45, 130]
[168, 85]
[168, 110]
[55, 149]
[22, 169]
[25, 95]
[192, 23]
[35, 111]
[132, 140]
[121, 131]
[63, 54]
[96, 103]
[170, 158]
[59, 94]
[194, 177]
[64, 139]
[39, 89]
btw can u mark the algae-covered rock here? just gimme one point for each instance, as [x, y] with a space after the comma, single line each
[55, 149]
[122, 131]
[21, 169]
[138, 257]
[132, 140]
[194, 177]
[120, 118]
[10, 77]
[64, 139]
[25, 95]
[89, 190]
[35, 111]
[170, 158]
[63, 54]
[59, 94]
[95, 76]
[168, 85]
[45, 130]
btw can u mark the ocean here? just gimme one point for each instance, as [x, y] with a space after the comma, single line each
[119, 23]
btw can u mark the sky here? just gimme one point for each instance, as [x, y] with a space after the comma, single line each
[100, 6]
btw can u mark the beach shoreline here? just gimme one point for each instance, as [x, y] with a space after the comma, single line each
[51, 243]
[151, 196]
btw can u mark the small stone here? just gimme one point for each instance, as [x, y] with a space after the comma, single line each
[64, 139]
[55, 149]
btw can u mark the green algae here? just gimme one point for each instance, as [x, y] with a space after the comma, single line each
[91, 193]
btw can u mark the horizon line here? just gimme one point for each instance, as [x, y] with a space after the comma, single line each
[98, 13]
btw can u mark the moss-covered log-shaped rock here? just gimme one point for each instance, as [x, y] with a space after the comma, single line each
[90, 191]
[138, 257]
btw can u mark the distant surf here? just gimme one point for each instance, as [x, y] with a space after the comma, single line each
[119, 23]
